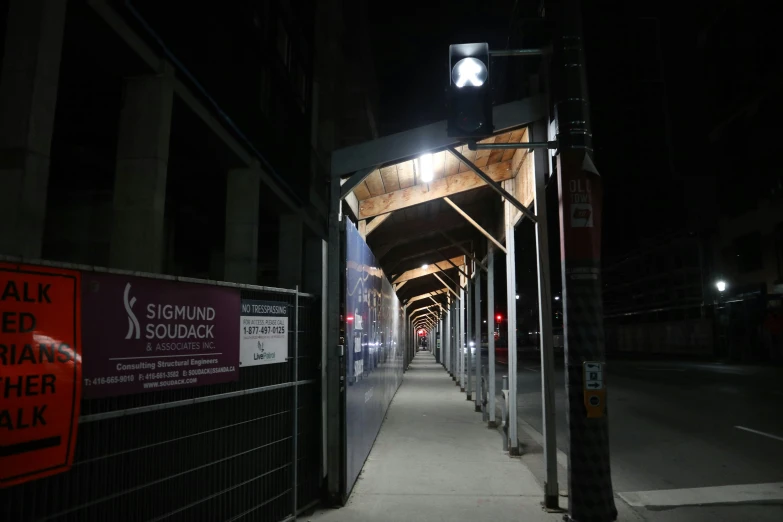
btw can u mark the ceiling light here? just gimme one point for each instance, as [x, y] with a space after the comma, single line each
[424, 267]
[425, 167]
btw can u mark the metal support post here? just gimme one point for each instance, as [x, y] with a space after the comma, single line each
[477, 336]
[334, 383]
[545, 327]
[511, 290]
[469, 330]
[491, 332]
[295, 408]
[590, 496]
[461, 342]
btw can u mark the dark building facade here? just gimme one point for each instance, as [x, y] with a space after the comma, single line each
[174, 138]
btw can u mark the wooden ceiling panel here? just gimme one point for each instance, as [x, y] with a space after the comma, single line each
[470, 155]
[482, 154]
[452, 164]
[389, 177]
[439, 164]
[361, 191]
[495, 156]
[514, 137]
[405, 174]
[375, 184]
[418, 194]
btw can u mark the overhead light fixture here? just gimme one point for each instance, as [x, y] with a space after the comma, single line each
[720, 285]
[424, 266]
[424, 167]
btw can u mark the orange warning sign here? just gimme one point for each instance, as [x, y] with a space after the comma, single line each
[40, 371]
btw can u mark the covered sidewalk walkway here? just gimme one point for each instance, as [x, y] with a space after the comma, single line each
[436, 460]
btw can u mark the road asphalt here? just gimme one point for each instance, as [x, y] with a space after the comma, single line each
[689, 441]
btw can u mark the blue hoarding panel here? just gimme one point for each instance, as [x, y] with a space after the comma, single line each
[375, 337]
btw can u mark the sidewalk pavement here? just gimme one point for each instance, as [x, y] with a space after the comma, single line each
[435, 460]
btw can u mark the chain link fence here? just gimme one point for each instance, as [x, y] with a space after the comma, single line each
[221, 452]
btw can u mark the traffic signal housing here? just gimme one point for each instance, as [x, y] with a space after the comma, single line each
[469, 94]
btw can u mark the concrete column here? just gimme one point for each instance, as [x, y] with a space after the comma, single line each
[28, 95]
[291, 241]
[243, 190]
[137, 239]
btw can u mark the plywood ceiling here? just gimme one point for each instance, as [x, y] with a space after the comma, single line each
[403, 175]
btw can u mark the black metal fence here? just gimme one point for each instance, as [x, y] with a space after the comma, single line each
[221, 452]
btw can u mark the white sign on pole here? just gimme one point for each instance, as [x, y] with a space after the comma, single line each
[263, 332]
[594, 375]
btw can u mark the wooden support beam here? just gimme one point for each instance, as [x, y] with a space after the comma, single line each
[421, 272]
[362, 227]
[376, 222]
[424, 192]
[428, 294]
[475, 224]
[452, 264]
[399, 285]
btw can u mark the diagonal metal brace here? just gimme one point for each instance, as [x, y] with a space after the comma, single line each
[463, 249]
[494, 185]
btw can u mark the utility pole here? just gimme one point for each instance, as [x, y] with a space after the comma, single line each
[590, 494]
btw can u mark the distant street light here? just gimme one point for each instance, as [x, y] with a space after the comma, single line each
[517, 296]
[720, 285]
[557, 298]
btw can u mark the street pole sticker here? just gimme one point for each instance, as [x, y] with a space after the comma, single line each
[40, 371]
[594, 390]
[263, 332]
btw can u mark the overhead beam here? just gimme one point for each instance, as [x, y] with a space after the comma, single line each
[489, 180]
[464, 250]
[447, 286]
[428, 294]
[421, 272]
[419, 258]
[415, 142]
[455, 266]
[351, 183]
[376, 222]
[439, 188]
[399, 285]
[475, 224]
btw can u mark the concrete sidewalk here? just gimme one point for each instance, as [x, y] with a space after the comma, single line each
[435, 460]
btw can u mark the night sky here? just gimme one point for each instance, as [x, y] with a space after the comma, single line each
[662, 77]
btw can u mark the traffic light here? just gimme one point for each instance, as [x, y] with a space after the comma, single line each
[499, 318]
[469, 99]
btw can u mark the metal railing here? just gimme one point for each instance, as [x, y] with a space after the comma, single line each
[244, 450]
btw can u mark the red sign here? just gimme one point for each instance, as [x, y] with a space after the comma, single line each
[40, 371]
